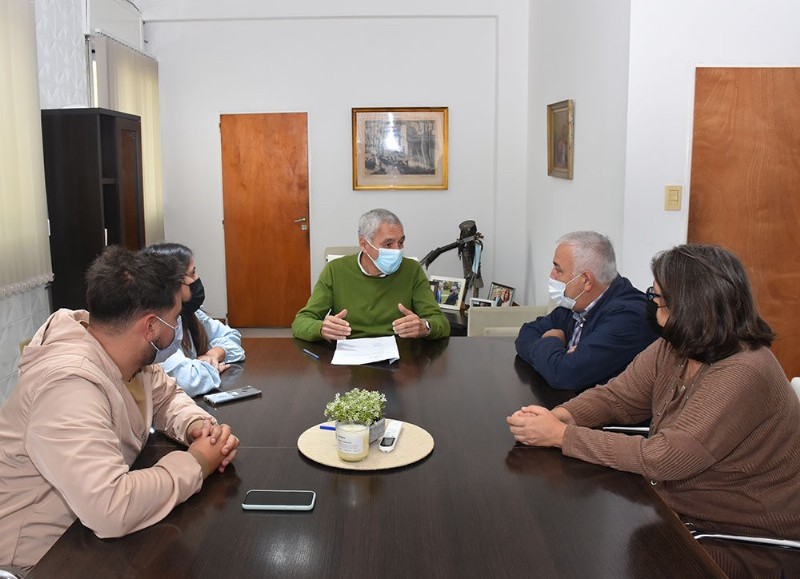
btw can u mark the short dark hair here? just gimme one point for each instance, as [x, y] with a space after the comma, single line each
[712, 312]
[123, 285]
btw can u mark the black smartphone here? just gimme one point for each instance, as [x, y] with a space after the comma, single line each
[270, 500]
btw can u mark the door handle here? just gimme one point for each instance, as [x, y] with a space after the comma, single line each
[302, 221]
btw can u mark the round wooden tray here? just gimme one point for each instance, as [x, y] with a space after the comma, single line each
[320, 446]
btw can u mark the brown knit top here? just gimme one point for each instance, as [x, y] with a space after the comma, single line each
[724, 445]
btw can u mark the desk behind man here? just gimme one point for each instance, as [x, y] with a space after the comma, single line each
[375, 293]
[600, 324]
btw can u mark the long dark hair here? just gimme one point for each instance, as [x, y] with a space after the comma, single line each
[712, 312]
[191, 325]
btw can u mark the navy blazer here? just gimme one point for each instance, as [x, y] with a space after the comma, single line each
[614, 331]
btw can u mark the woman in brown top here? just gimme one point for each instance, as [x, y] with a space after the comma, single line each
[723, 449]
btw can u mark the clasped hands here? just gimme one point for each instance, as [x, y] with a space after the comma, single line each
[538, 426]
[335, 327]
[213, 445]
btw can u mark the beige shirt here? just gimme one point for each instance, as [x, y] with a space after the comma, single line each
[70, 432]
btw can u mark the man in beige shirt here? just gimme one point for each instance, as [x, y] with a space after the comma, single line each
[82, 410]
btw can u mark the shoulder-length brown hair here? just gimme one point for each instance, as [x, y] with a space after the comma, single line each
[712, 313]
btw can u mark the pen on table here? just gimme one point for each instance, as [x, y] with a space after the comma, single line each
[310, 353]
[326, 427]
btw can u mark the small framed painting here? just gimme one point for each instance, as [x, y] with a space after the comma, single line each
[502, 295]
[448, 291]
[400, 148]
[560, 138]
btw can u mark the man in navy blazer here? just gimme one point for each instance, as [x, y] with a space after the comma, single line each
[600, 323]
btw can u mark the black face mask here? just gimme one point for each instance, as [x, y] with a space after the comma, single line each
[197, 299]
[652, 320]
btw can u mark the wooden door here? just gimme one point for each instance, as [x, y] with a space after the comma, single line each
[745, 186]
[265, 204]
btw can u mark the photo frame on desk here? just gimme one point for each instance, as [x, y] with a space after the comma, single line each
[560, 139]
[448, 291]
[481, 303]
[400, 148]
[503, 295]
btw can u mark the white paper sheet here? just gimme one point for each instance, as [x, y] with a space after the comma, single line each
[365, 351]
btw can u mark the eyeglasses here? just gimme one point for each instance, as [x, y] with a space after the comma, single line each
[651, 294]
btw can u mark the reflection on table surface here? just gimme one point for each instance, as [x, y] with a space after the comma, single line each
[478, 506]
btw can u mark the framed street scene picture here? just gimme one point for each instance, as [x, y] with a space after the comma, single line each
[400, 148]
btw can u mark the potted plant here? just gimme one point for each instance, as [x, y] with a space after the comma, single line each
[359, 416]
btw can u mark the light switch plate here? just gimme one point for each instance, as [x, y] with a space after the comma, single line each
[672, 197]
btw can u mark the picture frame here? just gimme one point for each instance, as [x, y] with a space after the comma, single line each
[448, 291]
[481, 303]
[502, 295]
[399, 148]
[560, 139]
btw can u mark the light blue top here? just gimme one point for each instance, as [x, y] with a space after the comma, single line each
[197, 377]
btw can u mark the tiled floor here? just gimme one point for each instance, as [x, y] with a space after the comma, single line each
[265, 332]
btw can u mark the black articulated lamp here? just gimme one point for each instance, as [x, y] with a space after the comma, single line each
[470, 247]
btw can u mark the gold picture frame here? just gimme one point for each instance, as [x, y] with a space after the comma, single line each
[400, 148]
[560, 139]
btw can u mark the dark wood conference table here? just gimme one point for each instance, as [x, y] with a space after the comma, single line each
[478, 506]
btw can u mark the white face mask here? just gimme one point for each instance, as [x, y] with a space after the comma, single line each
[163, 353]
[556, 290]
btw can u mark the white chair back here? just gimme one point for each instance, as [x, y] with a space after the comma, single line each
[796, 385]
[494, 322]
[335, 251]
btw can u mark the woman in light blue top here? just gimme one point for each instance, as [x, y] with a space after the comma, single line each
[208, 346]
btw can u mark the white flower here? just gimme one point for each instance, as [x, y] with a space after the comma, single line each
[357, 405]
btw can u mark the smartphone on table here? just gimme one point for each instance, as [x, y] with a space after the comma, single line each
[275, 500]
[231, 395]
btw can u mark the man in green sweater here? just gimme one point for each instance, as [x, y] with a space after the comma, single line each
[375, 293]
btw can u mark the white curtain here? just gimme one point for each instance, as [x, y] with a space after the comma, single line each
[126, 80]
[24, 242]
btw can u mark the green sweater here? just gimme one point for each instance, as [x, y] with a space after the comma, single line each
[371, 302]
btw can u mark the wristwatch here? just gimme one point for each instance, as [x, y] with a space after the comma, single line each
[427, 325]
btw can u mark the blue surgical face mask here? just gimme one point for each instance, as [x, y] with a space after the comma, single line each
[556, 290]
[388, 261]
[163, 353]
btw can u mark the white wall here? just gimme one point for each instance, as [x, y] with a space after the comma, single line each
[668, 41]
[61, 53]
[578, 51]
[469, 56]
